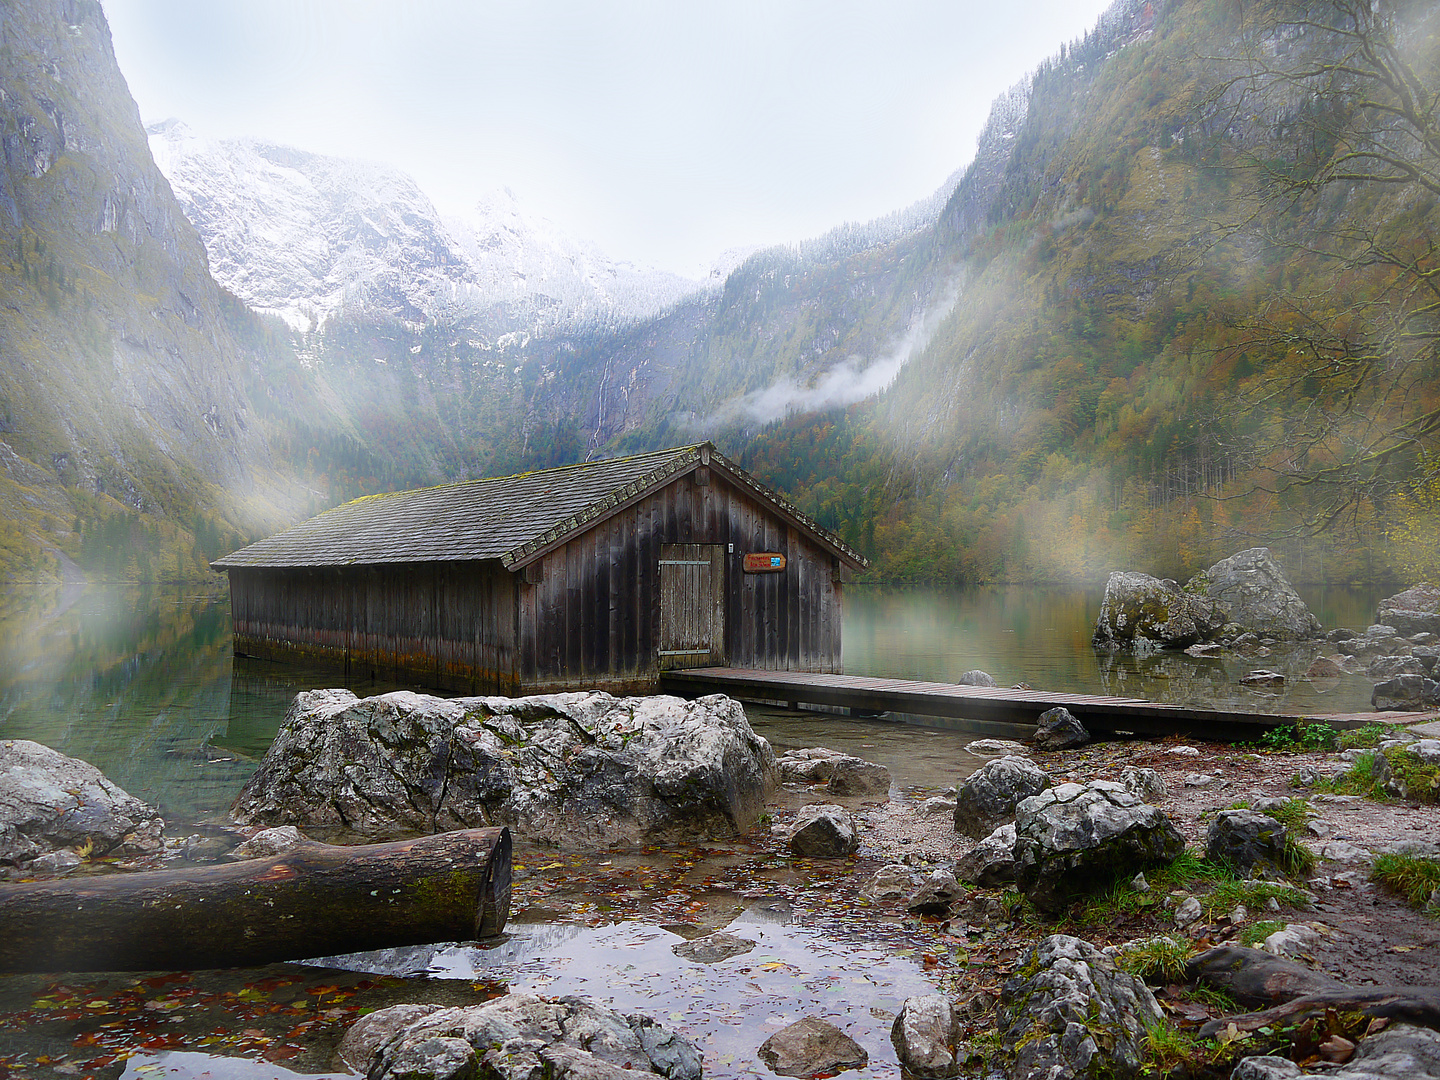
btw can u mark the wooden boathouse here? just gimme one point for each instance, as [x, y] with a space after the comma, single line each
[592, 576]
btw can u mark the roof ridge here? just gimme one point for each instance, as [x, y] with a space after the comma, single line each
[476, 480]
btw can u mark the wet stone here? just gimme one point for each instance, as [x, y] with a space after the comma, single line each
[936, 893]
[823, 831]
[1240, 839]
[924, 1037]
[851, 776]
[988, 796]
[1073, 838]
[810, 1046]
[991, 862]
[713, 948]
[895, 881]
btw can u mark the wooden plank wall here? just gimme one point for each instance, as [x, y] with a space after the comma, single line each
[444, 625]
[592, 620]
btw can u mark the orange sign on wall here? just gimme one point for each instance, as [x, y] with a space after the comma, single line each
[764, 562]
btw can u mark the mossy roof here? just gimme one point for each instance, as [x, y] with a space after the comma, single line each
[510, 518]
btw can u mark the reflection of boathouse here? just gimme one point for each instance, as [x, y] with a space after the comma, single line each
[588, 576]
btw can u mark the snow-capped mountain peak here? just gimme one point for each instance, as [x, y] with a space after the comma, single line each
[310, 237]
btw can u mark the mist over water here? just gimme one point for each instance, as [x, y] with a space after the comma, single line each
[141, 683]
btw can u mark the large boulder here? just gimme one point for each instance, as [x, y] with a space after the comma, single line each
[1258, 598]
[989, 795]
[1142, 612]
[1075, 838]
[1073, 1014]
[1241, 838]
[520, 1036]
[581, 769]
[1414, 611]
[51, 803]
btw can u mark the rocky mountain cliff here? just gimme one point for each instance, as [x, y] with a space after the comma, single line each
[313, 238]
[122, 391]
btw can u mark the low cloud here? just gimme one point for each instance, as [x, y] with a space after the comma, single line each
[853, 379]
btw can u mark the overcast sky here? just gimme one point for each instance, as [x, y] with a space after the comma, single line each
[666, 132]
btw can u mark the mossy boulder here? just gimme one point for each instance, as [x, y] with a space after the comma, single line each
[1142, 612]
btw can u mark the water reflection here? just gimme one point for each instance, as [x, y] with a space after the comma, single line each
[728, 1008]
[141, 683]
[1041, 637]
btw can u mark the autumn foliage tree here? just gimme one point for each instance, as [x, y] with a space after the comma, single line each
[1344, 417]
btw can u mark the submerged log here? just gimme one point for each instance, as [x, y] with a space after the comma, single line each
[312, 900]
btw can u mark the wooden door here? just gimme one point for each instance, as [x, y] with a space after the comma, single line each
[692, 605]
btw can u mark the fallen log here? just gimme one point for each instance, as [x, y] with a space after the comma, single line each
[1254, 977]
[312, 900]
[1416, 1004]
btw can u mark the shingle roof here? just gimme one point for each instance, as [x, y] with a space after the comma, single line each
[508, 518]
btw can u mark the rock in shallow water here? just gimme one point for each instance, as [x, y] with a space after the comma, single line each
[924, 1036]
[50, 802]
[1143, 612]
[810, 1046]
[823, 831]
[581, 769]
[713, 948]
[1258, 597]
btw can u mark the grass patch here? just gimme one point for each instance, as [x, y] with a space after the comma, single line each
[1222, 899]
[1367, 737]
[1413, 877]
[1159, 960]
[1368, 776]
[1171, 1052]
[1217, 887]
[1253, 935]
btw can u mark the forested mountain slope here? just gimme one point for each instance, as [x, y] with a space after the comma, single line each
[1194, 318]
[1174, 306]
[124, 419]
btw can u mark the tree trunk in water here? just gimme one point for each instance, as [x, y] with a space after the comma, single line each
[313, 900]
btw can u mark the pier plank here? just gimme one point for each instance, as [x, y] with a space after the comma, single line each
[1100, 714]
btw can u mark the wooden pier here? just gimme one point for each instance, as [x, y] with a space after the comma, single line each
[993, 705]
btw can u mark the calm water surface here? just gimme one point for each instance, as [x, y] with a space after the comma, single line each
[141, 683]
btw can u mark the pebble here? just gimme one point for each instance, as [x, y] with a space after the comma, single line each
[1184, 751]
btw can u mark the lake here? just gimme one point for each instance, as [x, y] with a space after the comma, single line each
[141, 683]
